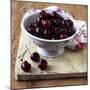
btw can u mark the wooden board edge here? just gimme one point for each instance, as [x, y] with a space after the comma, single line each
[50, 76]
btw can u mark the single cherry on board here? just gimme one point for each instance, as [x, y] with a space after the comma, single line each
[25, 66]
[43, 64]
[35, 57]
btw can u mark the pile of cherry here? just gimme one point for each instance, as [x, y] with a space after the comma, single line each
[51, 26]
[35, 57]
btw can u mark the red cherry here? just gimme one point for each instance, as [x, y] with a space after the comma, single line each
[43, 64]
[35, 57]
[62, 36]
[43, 14]
[62, 24]
[46, 24]
[47, 34]
[66, 24]
[25, 66]
[70, 23]
[31, 30]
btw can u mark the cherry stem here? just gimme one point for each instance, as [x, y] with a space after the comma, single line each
[28, 49]
[22, 55]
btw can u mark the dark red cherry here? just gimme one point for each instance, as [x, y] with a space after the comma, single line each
[70, 23]
[49, 16]
[32, 31]
[62, 36]
[66, 24]
[57, 30]
[61, 24]
[43, 14]
[34, 25]
[55, 15]
[46, 24]
[43, 64]
[40, 32]
[25, 66]
[70, 32]
[55, 23]
[65, 30]
[47, 34]
[35, 57]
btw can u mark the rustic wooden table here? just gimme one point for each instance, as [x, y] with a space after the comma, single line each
[18, 10]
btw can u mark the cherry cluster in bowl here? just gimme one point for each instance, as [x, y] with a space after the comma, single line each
[51, 26]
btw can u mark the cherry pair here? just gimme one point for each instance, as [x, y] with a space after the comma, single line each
[42, 63]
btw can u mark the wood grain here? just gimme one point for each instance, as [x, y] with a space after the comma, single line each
[18, 10]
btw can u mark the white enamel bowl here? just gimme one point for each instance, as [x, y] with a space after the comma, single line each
[48, 48]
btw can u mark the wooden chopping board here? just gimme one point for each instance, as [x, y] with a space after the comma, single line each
[69, 64]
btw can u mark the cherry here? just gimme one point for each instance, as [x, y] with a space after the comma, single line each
[34, 25]
[39, 31]
[55, 15]
[70, 32]
[66, 24]
[25, 66]
[32, 31]
[59, 21]
[49, 16]
[52, 22]
[62, 36]
[43, 64]
[43, 14]
[62, 24]
[55, 23]
[70, 23]
[47, 34]
[65, 30]
[35, 57]
[46, 24]
[57, 31]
